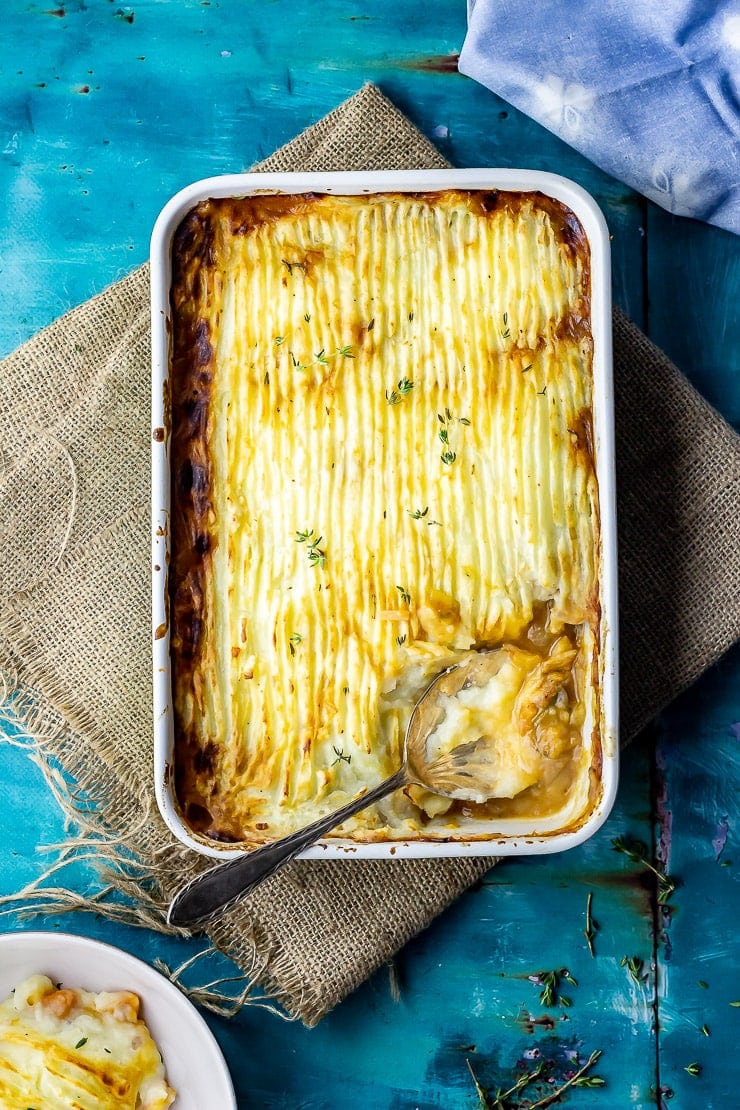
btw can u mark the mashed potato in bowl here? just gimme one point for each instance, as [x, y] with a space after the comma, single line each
[64, 1048]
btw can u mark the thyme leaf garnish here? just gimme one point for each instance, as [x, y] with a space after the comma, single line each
[395, 396]
[417, 514]
[405, 595]
[448, 456]
[341, 756]
[321, 358]
[400, 640]
[279, 339]
[506, 331]
[693, 1069]
[82, 1041]
[316, 556]
[293, 640]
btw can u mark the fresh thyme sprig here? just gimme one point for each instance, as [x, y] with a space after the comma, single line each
[417, 514]
[506, 330]
[448, 456]
[316, 556]
[341, 756]
[405, 595]
[395, 396]
[551, 982]
[636, 850]
[636, 967]
[499, 1101]
[592, 927]
[321, 358]
[580, 1079]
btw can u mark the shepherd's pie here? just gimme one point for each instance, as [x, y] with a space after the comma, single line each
[382, 458]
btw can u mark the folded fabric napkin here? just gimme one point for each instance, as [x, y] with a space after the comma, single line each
[646, 91]
[75, 601]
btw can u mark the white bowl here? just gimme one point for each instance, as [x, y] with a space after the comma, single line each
[193, 1061]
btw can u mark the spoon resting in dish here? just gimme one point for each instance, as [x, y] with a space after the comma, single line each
[452, 747]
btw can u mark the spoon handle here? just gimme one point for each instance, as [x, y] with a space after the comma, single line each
[228, 882]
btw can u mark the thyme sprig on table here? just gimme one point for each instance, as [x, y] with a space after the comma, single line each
[636, 967]
[580, 1078]
[592, 927]
[551, 982]
[636, 850]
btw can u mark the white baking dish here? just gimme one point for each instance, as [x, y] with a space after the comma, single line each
[513, 837]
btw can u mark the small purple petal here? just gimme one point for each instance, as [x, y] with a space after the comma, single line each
[720, 837]
[441, 132]
[735, 729]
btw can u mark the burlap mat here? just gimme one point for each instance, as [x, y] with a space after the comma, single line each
[75, 598]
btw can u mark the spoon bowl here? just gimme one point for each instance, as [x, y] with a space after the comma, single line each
[458, 773]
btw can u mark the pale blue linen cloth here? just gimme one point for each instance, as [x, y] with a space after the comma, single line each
[646, 89]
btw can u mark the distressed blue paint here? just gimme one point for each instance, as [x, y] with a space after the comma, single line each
[191, 89]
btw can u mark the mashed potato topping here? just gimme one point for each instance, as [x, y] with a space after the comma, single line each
[382, 458]
[62, 1048]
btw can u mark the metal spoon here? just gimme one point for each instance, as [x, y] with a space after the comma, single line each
[461, 773]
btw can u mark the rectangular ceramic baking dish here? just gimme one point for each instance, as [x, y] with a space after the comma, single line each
[515, 837]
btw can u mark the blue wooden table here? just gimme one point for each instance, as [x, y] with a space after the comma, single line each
[105, 111]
